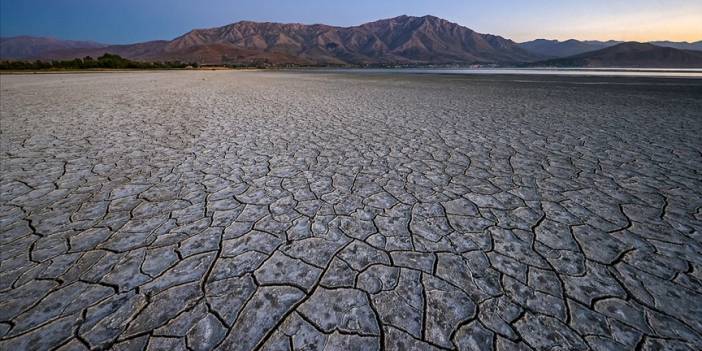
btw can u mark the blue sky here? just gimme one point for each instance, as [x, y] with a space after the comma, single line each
[129, 21]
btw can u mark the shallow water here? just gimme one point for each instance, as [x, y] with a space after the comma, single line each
[606, 72]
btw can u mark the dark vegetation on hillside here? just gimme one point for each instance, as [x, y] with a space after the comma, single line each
[106, 61]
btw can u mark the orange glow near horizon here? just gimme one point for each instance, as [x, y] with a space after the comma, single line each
[670, 23]
[681, 29]
[641, 27]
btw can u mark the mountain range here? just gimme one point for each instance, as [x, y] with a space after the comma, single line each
[399, 40]
[558, 49]
[631, 54]
[25, 47]
[403, 40]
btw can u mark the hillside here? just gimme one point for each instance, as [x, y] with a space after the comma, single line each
[630, 54]
[557, 49]
[399, 40]
[23, 47]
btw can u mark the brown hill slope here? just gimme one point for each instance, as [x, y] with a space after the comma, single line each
[401, 40]
[631, 54]
[22, 47]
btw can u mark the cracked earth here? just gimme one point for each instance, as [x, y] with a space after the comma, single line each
[318, 211]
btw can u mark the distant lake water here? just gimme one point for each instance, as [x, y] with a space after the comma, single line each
[601, 72]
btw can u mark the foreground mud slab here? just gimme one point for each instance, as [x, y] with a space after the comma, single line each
[316, 211]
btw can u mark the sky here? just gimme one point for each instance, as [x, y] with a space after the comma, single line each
[129, 21]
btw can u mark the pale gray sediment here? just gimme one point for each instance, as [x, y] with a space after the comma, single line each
[279, 210]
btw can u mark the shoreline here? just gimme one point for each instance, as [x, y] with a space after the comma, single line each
[683, 73]
[119, 70]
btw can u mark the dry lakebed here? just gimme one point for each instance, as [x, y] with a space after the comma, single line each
[317, 210]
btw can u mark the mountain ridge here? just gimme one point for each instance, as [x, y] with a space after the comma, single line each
[23, 46]
[557, 48]
[399, 40]
[570, 47]
[630, 54]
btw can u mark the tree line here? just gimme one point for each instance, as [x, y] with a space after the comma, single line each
[105, 61]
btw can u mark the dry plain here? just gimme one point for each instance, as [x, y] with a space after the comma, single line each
[331, 211]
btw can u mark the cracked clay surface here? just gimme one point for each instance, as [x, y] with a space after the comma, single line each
[327, 211]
